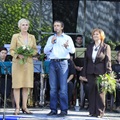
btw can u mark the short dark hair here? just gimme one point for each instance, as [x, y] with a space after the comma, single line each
[62, 24]
[79, 36]
[3, 48]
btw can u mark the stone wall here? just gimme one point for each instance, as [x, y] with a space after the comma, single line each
[100, 14]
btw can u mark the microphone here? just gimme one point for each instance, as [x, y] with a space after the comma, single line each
[55, 36]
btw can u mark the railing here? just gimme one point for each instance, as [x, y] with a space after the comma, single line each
[80, 53]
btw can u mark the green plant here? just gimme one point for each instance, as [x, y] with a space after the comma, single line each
[11, 11]
[112, 44]
[107, 83]
[44, 37]
[88, 40]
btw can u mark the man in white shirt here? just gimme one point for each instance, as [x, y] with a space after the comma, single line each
[59, 46]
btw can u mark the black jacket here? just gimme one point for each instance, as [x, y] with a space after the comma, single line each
[102, 62]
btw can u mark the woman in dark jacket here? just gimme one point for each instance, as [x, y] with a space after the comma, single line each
[97, 62]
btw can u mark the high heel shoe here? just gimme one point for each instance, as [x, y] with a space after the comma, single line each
[17, 111]
[25, 110]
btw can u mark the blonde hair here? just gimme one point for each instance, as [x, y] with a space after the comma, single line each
[23, 20]
[102, 34]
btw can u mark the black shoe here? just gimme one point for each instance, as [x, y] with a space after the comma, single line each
[91, 115]
[52, 113]
[62, 114]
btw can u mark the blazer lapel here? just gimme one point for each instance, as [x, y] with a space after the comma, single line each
[91, 50]
[99, 51]
[20, 39]
[29, 39]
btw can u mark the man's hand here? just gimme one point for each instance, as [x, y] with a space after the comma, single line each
[53, 39]
[66, 44]
[78, 68]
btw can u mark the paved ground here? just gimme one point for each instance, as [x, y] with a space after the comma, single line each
[41, 114]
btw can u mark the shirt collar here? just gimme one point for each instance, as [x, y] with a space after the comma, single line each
[63, 34]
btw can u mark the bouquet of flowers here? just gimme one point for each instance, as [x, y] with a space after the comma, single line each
[107, 83]
[26, 51]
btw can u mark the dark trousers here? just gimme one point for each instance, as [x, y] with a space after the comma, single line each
[70, 91]
[85, 89]
[8, 87]
[2, 88]
[117, 97]
[36, 89]
[96, 98]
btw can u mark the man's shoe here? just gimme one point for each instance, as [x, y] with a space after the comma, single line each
[52, 113]
[62, 114]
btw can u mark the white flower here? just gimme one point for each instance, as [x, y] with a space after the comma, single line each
[24, 47]
[104, 84]
[28, 48]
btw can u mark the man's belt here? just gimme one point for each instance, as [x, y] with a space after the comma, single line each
[58, 60]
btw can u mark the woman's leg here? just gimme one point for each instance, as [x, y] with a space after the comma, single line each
[24, 97]
[16, 92]
[24, 101]
[91, 94]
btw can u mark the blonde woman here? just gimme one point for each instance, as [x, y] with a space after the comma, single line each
[97, 62]
[22, 74]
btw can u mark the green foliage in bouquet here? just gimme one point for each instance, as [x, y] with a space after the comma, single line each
[26, 51]
[107, 83]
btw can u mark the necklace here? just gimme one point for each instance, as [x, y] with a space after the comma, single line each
[96, 48]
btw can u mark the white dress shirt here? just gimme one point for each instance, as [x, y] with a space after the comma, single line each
[57, 50]
[94, 52]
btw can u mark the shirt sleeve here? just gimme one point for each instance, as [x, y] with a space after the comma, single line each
[71, 47]
[108, 59]
[13, 46]
[48, 47]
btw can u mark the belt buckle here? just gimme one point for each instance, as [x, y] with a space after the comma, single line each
[58, 60]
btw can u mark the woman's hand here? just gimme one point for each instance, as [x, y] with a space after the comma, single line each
[35, 58]
[118, 80]
[20, 56]
[83, 78]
